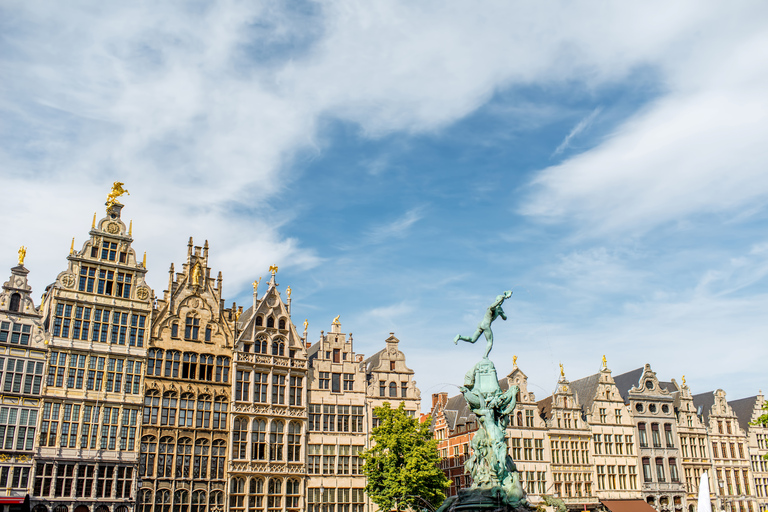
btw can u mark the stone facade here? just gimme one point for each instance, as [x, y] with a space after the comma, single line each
[22, 360]
[748, 410]
[187, 392]
[97, 313]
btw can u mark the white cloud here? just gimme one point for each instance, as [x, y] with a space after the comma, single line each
[576, 130]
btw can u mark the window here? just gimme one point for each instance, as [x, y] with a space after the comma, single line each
[313, 459]
[325, 380]
[329, 459]
[128, 429]
[392, 389]
[656, 436]
[259, 440]
[138, 330]
[200, 463]
[64, 477]
[382, 388]
[647, 470]
[403, 389]
[278, 348]
[183, 457]
[660, 469]
[151, 407]
[239, 438]
[15, 304]
[643, 437]
[84, 481]
[104, 481]
[237, 495]
[90, 426]
[349, 381]
[206, 367]
[539, 446]
[261, 342]
[187, 410]
[314, 412]
[87, 278]
[342, 424]
[220, 412]
[294, 442]
[109, 428]
[256, 494]
[274, 495]
[529, 420]
[222, 369]
[336, 383]
[168, 413]
[191, 327]
[172, 359]
[154, 361]
[296, 390]
[242, 385]
[203, 411]
[174, 330]
[278, 389]
[602, 415]
[132, 376]
[673, 470]
[124, 482]
[181, 501]
[276, 441]
[208, 333]
[259, 321]
[218, 456]
[270, 322]
[147, 453]
[163, 500]
[356, 418]
[292, 493]
[189, 366]
[329, 417]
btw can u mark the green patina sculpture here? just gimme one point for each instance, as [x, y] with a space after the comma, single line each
[494, 475]
[493, 312]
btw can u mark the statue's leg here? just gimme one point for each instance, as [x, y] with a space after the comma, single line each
[470, 339]
[489, 344]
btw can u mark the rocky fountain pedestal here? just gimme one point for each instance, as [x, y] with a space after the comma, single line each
[495, 480]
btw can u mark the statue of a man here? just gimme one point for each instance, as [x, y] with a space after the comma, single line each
[493, 312]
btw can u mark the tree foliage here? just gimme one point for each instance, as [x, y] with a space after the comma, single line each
[763, 420]
[402, 465]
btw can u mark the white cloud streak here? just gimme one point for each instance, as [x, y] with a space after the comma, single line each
[576, 130]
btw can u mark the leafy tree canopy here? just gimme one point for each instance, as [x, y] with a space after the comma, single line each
[763, 420]
[402, 466]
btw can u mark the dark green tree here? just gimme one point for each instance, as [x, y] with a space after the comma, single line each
[763, 420]
[403, 467]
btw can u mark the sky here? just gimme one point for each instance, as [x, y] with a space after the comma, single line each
[405, 162]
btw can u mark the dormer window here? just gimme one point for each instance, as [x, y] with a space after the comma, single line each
[281, 324]
[175, 330]
[192, 328]
[270, 322]
[259, 321]
[15, 302]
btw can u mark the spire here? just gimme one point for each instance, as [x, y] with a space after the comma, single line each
[273, 271]
[130, 228]
[72, 246]
[144, 260]
[93, 224]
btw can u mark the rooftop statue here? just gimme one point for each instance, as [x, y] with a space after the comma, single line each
[493, 312]
[117, 191]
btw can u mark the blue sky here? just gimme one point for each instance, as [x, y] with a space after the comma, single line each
[405, 163]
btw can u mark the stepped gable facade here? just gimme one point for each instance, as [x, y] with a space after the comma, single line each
[269, 410]
[694, 445]
[528, 438]
[390, 380]
[339, 428]
[22, 360]
[747, 411]
[97, 313]
[187, 392]
[571, 469]
[614, 440]
[728, 446]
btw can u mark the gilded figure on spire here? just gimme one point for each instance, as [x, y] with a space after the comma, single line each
[117, 191]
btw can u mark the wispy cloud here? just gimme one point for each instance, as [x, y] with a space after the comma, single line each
[580, 127]
[396, 228]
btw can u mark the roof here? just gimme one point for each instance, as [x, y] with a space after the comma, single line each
[585, 389]
[703, 403]
[373, 361]
[545, 407]
[743, 408]
[627, 506]
[627, 381]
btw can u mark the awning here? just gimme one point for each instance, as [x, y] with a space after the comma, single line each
[627, 506]
[11, 500]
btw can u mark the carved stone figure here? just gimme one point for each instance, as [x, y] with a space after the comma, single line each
[493, 312]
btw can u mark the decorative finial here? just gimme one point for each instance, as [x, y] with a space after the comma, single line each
[683, 380]
[306, 324]
[130, 228]
[117, 191]
[93, 224]
[72, 246]
[562, 371]
[22, 255]
[238, 312]
[144, 260]
[514, 361]
[605, 363]
[273, 269]
[288, 292]
[336, 321]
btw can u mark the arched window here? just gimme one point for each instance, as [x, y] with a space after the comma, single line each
[151, 407]
[198, 501]
[165, 458]
[261, 345]
[187, 410]
[40, 508]
[168, 413]
[189, 367]
[275, 494]
[256, 494]
[121, 508]
[206, 368]
[183, 457]
[222, 369]
[278, 347]
[15, 304]
[392, 389]
[203, 411]
[192, 327]
[519, 418]
[60, 508]
[155, 361]
[172, 359]
[220, 413]
[217, 499]
[147, 456]
[259, 321]
[276, 441]
[162, 500]
[294, 441]
[145, 501]
[181, 501]
[200, 466]
[175, 330]
[292, 493]
[270, 322]
[239, 438]
[281, 323]
[237, 495]
[259, 440]
[218, 456]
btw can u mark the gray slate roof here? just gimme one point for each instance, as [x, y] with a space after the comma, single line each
[743, 409]
[704, 402]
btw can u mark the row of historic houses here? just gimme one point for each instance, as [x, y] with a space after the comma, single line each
[624, 437]
[117, 400]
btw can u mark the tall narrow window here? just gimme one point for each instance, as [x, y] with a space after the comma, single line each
[294, 442]
[183, 457]
[239, 438]
[276, 441]
[204, 411]
[392, 389]
[200, 466]
[220, 412]
[259, 440]
[192, 328]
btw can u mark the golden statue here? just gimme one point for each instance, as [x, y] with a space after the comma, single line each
[306, 323]
[117, 191]
[605, 362]
[256, 285]
[273, 269]
[22, 255]
[288, 292]
[514, 360]
[237, 314]
[196, 275]
[562, 371]
[683, 380]
[336, 321]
